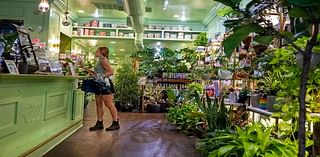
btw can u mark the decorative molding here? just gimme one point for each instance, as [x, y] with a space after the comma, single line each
[56, 104]
[9, 122]
[33, 111]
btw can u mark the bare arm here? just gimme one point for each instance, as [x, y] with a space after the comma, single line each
[107, 67]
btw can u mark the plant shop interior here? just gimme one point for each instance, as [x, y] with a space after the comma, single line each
[191, 78]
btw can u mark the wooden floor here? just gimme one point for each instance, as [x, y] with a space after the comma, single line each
[141, 135]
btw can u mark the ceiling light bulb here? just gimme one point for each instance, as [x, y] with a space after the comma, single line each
[112, 42]
[121, 49]
[80, 11]
[43, 6]
[176, 16]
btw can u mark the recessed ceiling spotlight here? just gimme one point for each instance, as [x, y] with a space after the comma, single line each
[183, 12]
[121, 49]
[80, 11]
[112, 42]
[176, 16]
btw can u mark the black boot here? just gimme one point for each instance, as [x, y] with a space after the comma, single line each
[114, 126]
[98, 126]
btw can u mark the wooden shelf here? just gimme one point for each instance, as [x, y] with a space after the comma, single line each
[168, 80]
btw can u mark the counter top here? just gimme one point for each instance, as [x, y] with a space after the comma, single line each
[37, 76]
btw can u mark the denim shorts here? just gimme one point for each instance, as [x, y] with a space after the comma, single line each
[103, 89]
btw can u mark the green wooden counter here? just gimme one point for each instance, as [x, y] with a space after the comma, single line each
[37, 112]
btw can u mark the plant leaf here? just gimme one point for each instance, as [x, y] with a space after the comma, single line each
[265, 40]
[305, 3]
[232, 41]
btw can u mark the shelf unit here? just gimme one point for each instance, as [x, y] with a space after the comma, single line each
[128, 33]
[171, 35]
[102, 32]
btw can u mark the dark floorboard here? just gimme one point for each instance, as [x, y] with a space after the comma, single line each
[141, 135]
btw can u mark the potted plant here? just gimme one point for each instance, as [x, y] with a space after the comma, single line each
[127, 89]
[6, 43]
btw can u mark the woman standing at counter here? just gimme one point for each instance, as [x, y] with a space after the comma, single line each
[105, 91]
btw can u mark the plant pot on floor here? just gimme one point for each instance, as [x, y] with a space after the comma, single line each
[271, 100]
[154, 108]
[254, 100]
[126, 107]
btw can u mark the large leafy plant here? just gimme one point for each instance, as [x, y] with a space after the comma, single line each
[252, 141]
[187, 119]
[304, 21]
[215, 111]
[126, 86]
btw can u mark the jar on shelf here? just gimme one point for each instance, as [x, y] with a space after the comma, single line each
[150, 35]
[131, 35]
[167, 35]
[173, 36]
[157, 35]
[180, 35]
[91, 32]
[187, 36]
[113, 34]
[103, 33]
[86, 31]
[120, 34]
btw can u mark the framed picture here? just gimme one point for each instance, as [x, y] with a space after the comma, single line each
[11, 65]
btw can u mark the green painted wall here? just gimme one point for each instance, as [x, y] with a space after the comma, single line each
[36, 109]
[24, 10]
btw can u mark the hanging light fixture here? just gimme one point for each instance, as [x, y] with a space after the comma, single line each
[66, 21]
[43, 6]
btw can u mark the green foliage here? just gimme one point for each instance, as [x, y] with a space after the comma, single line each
[201, 40]
[8, 40]
[126, 86]
[168, 61]
[186, 117]
[239, 34]
[215, 111]
[252, 141]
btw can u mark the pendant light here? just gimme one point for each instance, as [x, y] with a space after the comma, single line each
[66, 21]
[43, 6]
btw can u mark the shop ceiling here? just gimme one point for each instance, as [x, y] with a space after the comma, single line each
[170, 11]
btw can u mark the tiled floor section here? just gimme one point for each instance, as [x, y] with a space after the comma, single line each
[141, 135]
